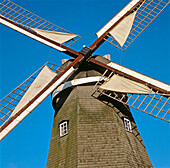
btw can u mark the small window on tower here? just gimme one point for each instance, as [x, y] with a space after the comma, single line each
[63, 128]
[127, 125]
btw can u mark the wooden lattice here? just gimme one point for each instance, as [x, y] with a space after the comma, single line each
[148, 11]
[9, 102]
[153, 104]
[28, 20]
[156, 105]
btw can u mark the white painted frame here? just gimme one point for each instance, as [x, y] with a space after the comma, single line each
[117, 17]
[63, 128]
[140, 76]
[128, 126]
[29, 34]
[30, 108]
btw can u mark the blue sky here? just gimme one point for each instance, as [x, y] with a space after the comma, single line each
[27, 145]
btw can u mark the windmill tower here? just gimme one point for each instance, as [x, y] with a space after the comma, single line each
[88, 132]
[41, 34]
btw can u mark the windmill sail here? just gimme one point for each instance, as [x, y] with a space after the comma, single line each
[135, 76]
[124, 85]
[55, 36]
[121, 31]
[42, 80]
[131, 21]
[136, 90]
[27, 23]
[131, 74]
[14, 107]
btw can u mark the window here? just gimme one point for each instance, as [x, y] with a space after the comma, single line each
[127, 125]
[63, 128]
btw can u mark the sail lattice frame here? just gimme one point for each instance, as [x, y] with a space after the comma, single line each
[9, 102]
[28, 20]
[148, 11]
[155, 105]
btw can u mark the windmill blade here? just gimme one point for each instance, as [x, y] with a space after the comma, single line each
[135, 76]
[131, 21]
[27, 96]
[37, 28]
[42, 86]
[135, 90]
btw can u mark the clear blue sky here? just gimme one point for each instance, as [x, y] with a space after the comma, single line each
[27, 145]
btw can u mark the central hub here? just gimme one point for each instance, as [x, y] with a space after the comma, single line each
[86, 52]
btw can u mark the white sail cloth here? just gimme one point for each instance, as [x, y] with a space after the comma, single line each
[55, 36]
[124, 85]
[121, 31]
[42, 80]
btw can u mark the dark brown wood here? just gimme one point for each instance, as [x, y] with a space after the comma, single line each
[96, 44]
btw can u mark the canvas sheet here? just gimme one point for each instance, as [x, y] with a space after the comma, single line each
[55, 36]
[41, 81]
[124, 85]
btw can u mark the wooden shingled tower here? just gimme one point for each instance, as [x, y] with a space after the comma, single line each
[92, 95]
[96, 134]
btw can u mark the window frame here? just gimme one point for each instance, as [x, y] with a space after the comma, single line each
[63, 127]
[127, 124]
